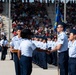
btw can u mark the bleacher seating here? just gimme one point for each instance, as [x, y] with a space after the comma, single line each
[34, 17]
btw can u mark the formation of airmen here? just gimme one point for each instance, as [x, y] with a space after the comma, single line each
[42, 58]
[3, 47]
[42, 50]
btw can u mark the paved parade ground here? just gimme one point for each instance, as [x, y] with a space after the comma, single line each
[7, 68]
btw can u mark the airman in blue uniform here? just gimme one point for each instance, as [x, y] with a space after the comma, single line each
[72, 52]
[0, 45]
[4, 44]
[62, 48]
[49, 43]
[43, 55]
[25, 52]
[15, 43]
[36, 53]
[54, 54]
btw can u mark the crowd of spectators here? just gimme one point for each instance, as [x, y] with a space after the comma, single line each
[70, 13]
[33, 16]
[1, 7]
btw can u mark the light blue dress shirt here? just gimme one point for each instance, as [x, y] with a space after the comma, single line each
[62, 39]
[15, 43]
[27, 47]
[72, 50]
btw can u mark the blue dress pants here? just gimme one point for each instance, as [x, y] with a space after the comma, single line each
[16, 63]
[26, 65]
[63, 63]
[72, 66]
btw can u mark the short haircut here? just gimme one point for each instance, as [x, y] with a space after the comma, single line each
[25, 33]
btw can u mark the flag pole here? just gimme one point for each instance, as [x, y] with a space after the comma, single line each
[9, 20]
[65, 11]
[58, 6]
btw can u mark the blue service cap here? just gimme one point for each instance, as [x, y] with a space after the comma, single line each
[28, 32]
[37, 36]
[44, 37]
[19, 28]
[40, 37]
[49, 37]
[62, 24]
[73, 31]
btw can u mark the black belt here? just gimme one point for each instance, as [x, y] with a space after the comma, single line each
[26, 56]
[15, 53]
[72, 57]
[63, 51]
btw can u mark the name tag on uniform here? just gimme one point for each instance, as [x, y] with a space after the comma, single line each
[16, 40]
